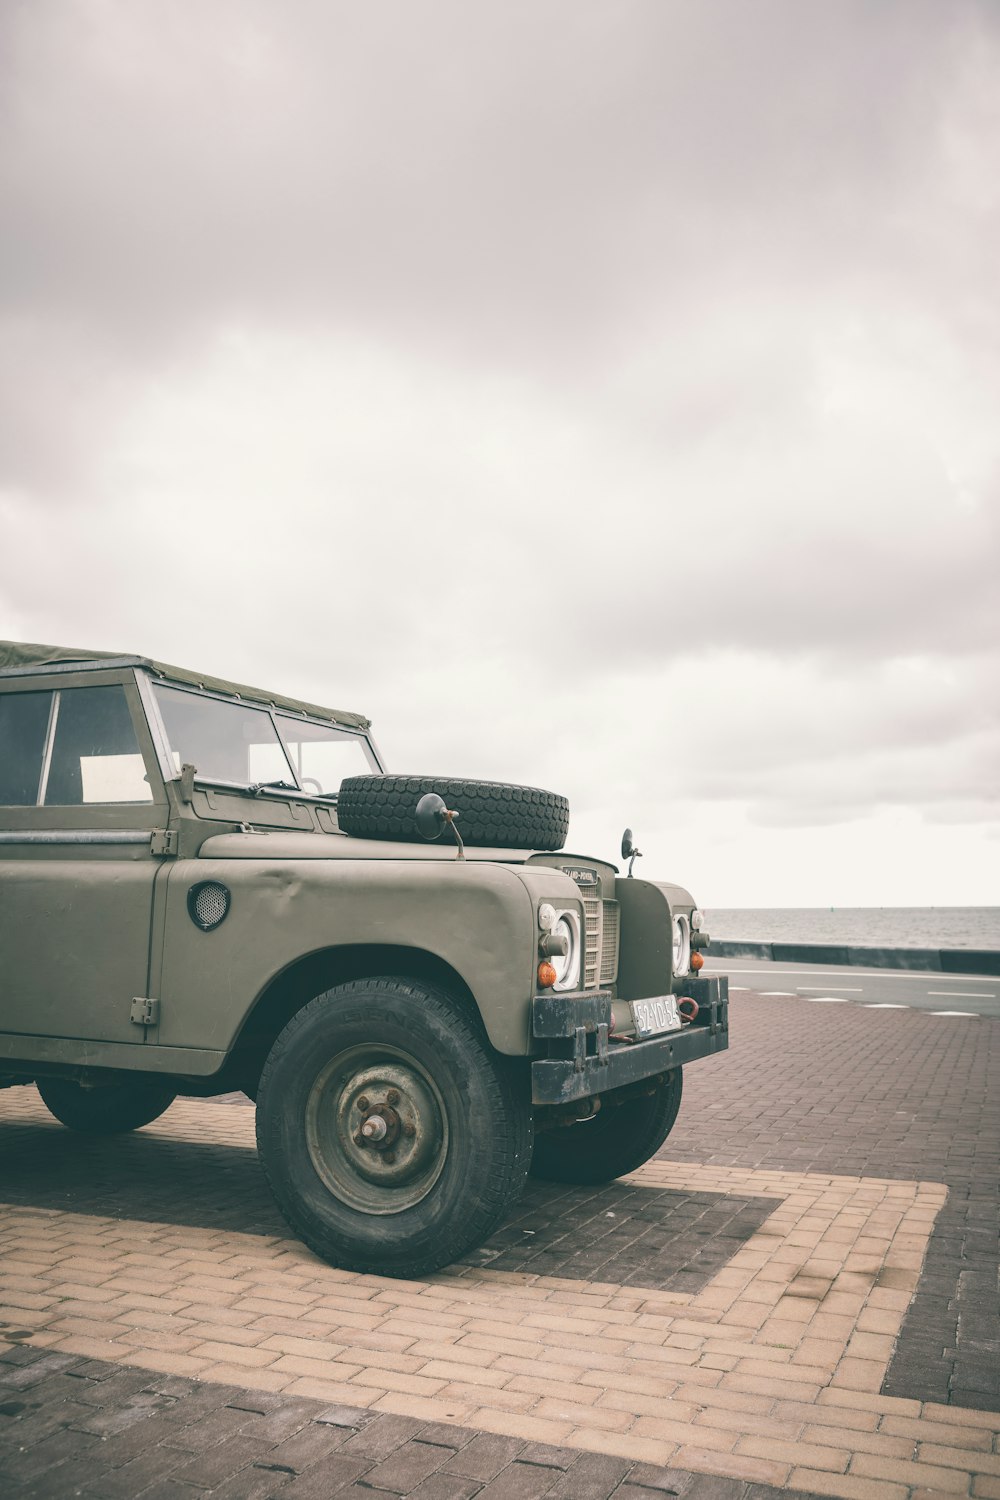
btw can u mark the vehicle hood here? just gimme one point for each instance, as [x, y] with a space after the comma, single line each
[279, 844]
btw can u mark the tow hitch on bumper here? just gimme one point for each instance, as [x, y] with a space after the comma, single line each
[584, 1060]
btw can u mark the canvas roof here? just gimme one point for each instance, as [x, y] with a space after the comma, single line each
[23, 655]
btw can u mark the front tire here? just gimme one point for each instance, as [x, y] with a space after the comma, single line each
[108, 1109]
[392, 1137]
[617, 1140]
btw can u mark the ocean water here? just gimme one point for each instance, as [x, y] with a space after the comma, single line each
[865, 926]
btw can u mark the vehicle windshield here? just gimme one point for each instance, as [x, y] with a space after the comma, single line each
[244, 745]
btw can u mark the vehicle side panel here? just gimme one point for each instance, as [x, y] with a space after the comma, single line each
[477, 918]
[76, 894]
[66, 973]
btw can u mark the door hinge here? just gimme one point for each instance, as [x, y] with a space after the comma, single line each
[145, 1012]
[163, 841]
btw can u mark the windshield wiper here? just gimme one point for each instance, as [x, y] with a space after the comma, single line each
[256, 787]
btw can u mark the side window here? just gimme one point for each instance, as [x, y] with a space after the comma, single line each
[95, 754]
[24, 722]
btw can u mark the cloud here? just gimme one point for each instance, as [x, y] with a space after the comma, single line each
[598, 395]
[514, 180]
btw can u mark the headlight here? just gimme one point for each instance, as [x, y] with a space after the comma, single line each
[682, 945]
[567, 965]
[696, 920]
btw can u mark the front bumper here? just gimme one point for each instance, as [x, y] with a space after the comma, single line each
[583, 1061]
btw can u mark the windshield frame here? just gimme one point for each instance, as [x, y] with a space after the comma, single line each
[147, 684]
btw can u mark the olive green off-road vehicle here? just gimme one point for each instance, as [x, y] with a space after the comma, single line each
[205, 888]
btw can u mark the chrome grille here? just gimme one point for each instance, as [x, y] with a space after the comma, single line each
[609, 944]
[592, 915]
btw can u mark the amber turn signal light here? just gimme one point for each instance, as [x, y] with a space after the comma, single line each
[546, 975]
[697, 960]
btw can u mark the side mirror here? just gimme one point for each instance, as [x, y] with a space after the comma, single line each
[629, 851]
[431, 820]
[433, 817]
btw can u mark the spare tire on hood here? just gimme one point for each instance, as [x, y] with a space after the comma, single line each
[493, 814]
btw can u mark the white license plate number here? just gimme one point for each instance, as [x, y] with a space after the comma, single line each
[650, 1017]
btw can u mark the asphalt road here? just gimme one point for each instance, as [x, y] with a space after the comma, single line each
[938, 993]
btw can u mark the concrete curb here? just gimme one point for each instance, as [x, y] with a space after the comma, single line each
[938, 960]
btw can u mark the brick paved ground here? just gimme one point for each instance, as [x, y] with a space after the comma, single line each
[633, 1234]
[85, 1427]
[838, 1088]
[765, 1364]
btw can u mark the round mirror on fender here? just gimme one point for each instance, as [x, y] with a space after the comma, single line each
[629, 851]
[430, 818]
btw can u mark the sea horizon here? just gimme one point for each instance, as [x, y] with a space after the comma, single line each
[862, 926]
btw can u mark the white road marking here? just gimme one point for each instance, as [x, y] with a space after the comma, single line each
[789, 993]
[850, 989]
[884, 1005]
[827, 999]
[958, 995]
[854, 973]
[953, 1013]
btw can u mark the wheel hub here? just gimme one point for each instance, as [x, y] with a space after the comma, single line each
[376, 1130]
[379, 1130]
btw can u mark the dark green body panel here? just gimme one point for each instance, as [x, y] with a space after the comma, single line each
[478, 918]
[64, 986]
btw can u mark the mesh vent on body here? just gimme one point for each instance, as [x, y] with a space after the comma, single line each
[208, 903]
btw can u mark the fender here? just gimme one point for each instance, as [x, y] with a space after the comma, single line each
[477, 918]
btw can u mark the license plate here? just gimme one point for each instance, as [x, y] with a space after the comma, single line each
[650, 1017]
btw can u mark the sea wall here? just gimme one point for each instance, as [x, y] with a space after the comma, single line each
[938, 960]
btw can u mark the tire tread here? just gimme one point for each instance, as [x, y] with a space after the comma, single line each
[509, 1126]
[492, 813]
[612, 1144]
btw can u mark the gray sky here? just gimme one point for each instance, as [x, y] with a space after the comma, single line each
[600, 396]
